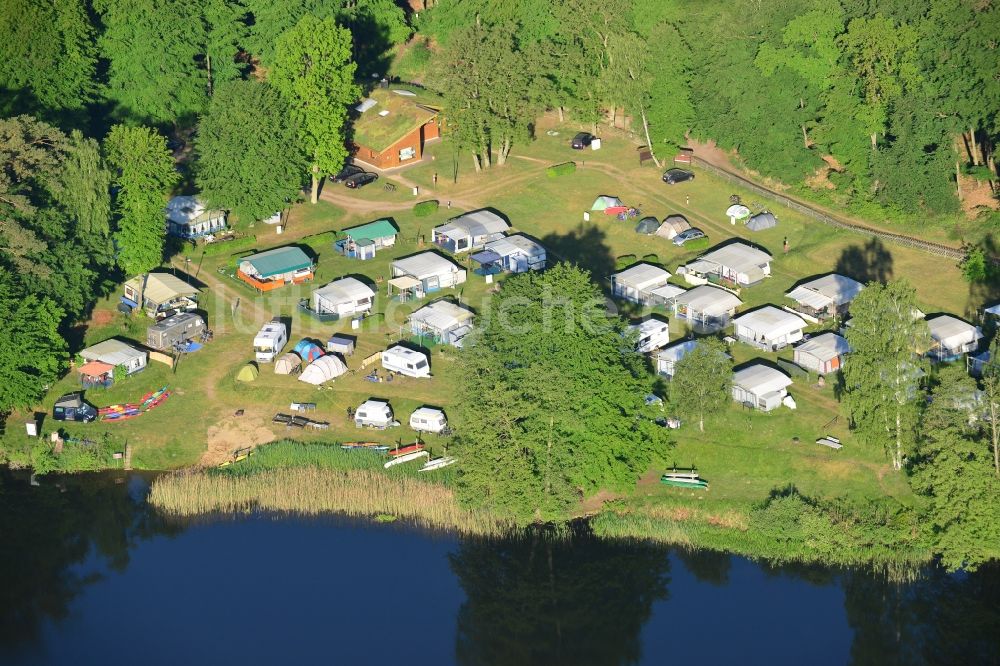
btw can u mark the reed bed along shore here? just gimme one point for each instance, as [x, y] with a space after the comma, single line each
[315, 490]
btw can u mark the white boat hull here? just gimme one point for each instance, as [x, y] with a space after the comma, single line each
[406, 457]
[437, 463]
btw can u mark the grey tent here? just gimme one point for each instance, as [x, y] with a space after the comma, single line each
[673, 225]
[762, 221]
[647, 225]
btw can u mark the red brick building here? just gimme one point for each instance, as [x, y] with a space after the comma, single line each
[392, 128]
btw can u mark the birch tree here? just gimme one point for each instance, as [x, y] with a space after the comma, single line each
[883, 371]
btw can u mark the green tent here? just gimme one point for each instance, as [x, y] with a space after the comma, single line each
[248, 373]
[604, 202]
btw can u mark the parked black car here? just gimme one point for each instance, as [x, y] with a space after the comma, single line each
[71, 407]
[582, 140]
[345, 173]
[674, 176]
[360, 180]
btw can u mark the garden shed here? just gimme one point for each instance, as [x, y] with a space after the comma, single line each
[323, 369]
[340, 344]
[822, 354]
[760, 386]
[952, 337]
[471, 231]
[769, 328]
[637, 282]
[826, 296]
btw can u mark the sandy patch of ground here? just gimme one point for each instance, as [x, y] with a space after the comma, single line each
[234, 432]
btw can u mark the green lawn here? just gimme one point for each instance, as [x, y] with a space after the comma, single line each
[744, 455]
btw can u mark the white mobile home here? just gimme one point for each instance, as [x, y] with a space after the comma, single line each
[421, 274]
[406, 362]
[345, 297]
[952, 337]
[825, 297]
[652, 334]
[738, 263]
[374, 414]
[822, 354]
[270, 340]
[517, 253]
[444, 321]
[428, 419]
[637, 283]
[469, 232]
[760, 386]
[188, 217]
[711, 307]
[117, 354]
[769, 328]
[160, 294]
[667, 358]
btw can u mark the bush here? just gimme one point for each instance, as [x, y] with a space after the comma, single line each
[561, 169]
[425, 208]
[651, 259]
[624, 260]
[697, 244]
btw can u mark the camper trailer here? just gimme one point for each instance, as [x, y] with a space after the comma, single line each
[651, 335]
[406, 362]
[374, 414]
[270, 340]
[175, 330]
[428, 419]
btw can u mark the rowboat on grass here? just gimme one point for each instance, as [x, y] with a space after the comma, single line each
[367, 446]
[406, 457]
[683, 479]
[403, 450]
[437, 463]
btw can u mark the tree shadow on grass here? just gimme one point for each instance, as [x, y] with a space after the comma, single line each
[587, 247]
[870, 262]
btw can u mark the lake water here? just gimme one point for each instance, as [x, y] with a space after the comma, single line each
[90, 574]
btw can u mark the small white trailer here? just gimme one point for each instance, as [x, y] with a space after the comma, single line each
[374, 414]
[270, 340]
[406, 362]
[428, 419]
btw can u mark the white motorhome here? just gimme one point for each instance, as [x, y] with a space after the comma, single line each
[270, 340]
[428, 419]
[406, 362]
[651, 335]
[374, 414]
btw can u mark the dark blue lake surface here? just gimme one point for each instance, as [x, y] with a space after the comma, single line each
[91, 574]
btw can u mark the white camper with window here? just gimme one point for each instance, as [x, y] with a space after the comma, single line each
[374, 414]
[270, 340]
[428, 419]
[406, 362]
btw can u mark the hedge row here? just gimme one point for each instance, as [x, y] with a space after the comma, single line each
[561, 169]
[425, 208]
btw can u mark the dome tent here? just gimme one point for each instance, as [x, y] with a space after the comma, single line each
[762, 221]
[647, 225]
[673, 225]
[323, 370]
[737, 213]
[604, 202]
[247, 373]
[288, 364]
[308, 350]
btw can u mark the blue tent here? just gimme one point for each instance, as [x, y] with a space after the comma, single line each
[308, 350]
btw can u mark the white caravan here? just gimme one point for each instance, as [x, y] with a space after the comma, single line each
[270, 340]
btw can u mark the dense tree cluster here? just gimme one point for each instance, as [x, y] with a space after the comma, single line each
[557, 411]
[890, 94]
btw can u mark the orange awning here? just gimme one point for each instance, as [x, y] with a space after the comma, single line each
[96, 369]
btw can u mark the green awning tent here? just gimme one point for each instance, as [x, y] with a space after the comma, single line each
[278, 261]
[248, 373]
[647, 225]
[603, 202]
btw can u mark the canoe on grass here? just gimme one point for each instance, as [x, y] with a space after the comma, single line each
[405, 458]
[403, 450]
[437, 463]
